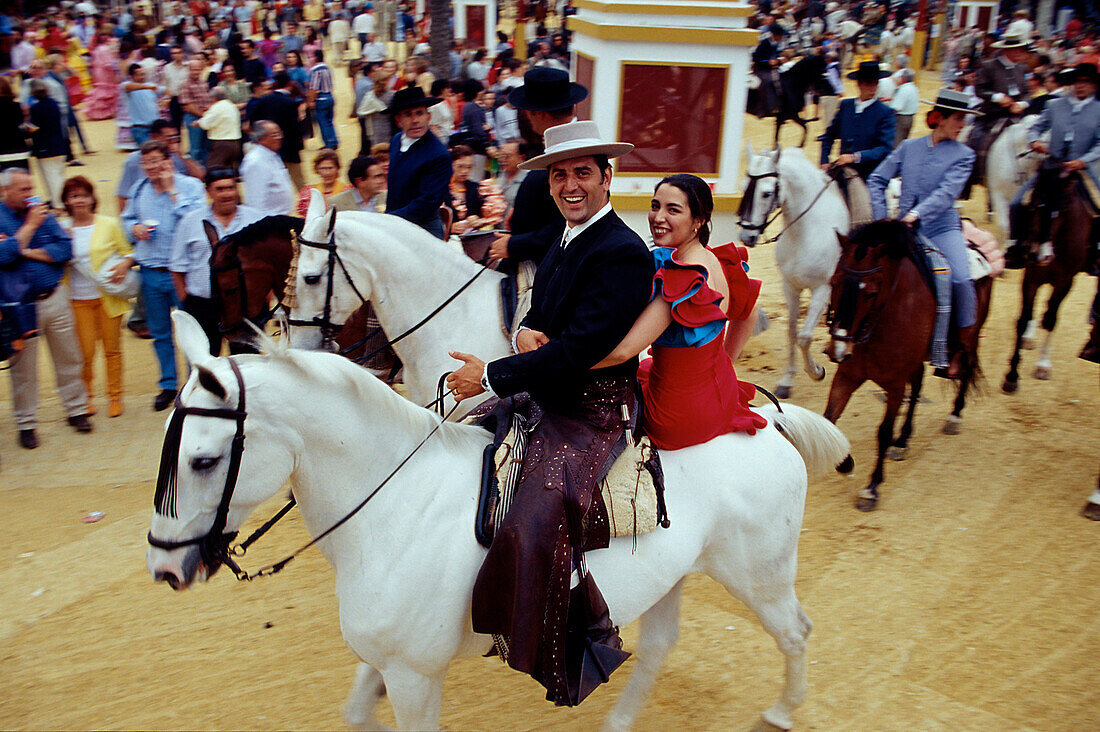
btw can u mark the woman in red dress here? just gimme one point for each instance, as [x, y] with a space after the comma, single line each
[701, 314]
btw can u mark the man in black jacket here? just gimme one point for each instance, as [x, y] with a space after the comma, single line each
[281, 108]
[593, 283]
[545, 100]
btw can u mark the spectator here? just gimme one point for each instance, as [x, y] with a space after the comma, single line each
[173, 75]
[327, 166]
[420, 166]
[374, 50]
[48, 146]
[141, 103]
[33, 244]
[475, 126]
[363, 25]
[222, 124]
[282, 108]
[321, 100]
[14, 152]
[339, 31]
[195, 98]
[253, 68]
[157, 203]
[380, 151]
[292, 41]
[268, 186]
[368, 191]
[478, 69]
[54, 88]
[236, 91]
[191, 249]
[906, 103]
[510, 177]
[98, 316]
[416, 73]
[442, 123]
[168, 133]
[465, 200]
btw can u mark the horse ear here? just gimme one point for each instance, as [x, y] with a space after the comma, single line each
[316, 205]
[191, 339]
[843, 240]
[211, 232]
[210, 382]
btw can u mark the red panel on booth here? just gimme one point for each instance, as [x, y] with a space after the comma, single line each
[475, 26]
[585, 71]
[673, 116]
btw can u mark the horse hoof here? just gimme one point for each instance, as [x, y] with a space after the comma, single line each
[818, 373]
[846, 466]
[951, 426]
[897, 454]
[782, 392]
[866, 504]
[1042, 373]
[1091, 511]
[1009, 386]
[1028, 344]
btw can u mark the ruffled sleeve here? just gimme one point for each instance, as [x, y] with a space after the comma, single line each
[743, 289]
[696, 314]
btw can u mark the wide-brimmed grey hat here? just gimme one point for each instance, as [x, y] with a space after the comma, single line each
[949, 100]
[574, 140]
[1012, 40]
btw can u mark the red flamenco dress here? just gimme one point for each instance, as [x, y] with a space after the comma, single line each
[691, 391]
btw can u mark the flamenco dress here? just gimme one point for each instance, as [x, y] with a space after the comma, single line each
[689, 386]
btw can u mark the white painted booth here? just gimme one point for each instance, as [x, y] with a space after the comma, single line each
[475, 21]
[670, 77]
[976, 14]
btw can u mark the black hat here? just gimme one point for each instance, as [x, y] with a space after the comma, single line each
[869, 71]
[777, 30]
[409, 97]
[1086, 72]
[546, 89]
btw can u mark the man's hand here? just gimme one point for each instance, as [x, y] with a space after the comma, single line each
[826, 166]
[530, 340]
[499, 248]
[141, 232]
[1072, 166]
[909, 219]
[465, 382]
[846, 159]
[1040, 147]
[36, 214]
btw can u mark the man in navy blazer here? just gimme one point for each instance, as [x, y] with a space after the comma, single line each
[420, 165]
[864, 126]
[593, 283]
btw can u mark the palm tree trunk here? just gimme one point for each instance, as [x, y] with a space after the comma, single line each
[441, 38]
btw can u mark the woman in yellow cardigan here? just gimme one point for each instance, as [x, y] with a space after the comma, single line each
[98, 315]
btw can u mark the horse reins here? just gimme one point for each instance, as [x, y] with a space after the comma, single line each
[854, 278]
[214, 545]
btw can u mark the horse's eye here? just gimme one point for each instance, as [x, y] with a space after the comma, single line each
[767, 194]
[201, 464]
[312, 279]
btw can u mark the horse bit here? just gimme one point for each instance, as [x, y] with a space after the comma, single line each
[747, 201]
[853, 282]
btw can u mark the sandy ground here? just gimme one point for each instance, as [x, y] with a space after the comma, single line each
[966, 602]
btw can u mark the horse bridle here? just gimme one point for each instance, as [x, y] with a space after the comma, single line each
[214, 544]
[242, 286]
[324, 321]
[747, 199]
[853, 282]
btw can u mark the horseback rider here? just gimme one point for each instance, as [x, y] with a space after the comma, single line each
[933, 171]
[865, 128]
[1002, 86]
[766, 58]
[591, 286]
[1074, 125]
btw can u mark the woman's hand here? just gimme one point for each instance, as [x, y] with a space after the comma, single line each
[118, 274]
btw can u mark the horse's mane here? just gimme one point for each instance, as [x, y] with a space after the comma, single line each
[416, 237]
[264, 228]
[893, 238]
[798, 171]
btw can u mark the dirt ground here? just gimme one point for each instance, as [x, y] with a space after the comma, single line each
[968, 601]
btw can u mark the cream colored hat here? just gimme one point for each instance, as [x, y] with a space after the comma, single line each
[574, 140]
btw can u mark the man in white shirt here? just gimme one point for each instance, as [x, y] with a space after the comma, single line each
[189, 262]
[362, 25]
[173, 74]
[267, 185]
[905, 104]
[222, 123]
[22, 53]
[1021, 25]
[339, 31]
[374, 50]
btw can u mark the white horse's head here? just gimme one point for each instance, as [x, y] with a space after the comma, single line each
[197, 464]
[761, 193]
[323, 289]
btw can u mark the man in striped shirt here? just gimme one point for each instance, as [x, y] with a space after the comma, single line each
[321, 101]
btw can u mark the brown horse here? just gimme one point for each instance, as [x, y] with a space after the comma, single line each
[881, 318]
[246, 269]
[1060, 215]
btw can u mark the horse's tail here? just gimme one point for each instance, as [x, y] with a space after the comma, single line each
[820, 442]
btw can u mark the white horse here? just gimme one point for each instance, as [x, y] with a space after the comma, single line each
[1009, 165]
[405, 564]
[806, 251]
[406, 273]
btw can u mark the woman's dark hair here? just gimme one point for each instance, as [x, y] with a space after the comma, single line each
[133, 68]
[438, 86]
[77, 183]
[699, 198]
[461, 151]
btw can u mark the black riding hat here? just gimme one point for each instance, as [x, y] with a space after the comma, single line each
[869, 71]
[545, 89]
[409, 97]
[1085, 72]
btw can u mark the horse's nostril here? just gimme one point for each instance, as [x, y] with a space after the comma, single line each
[170, 577]
[312, 279]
